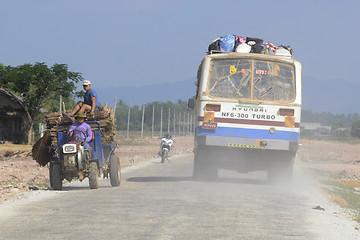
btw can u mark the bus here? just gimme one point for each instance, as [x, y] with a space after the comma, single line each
[247, 112]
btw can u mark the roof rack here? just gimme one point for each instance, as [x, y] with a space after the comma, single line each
[221, 52]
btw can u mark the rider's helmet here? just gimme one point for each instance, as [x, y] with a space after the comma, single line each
[168, 136]
[81, 115]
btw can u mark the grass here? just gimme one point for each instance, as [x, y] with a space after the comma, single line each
[43, 185]
[14, 147]
[17, 182]
[343, 191]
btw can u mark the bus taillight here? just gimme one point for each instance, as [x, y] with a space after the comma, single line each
[286, 112]
[213, 107]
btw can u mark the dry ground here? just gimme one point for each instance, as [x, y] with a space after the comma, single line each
[336, 166]
[335, 157]
[20, 173]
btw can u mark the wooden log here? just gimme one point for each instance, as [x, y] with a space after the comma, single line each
[53, 115]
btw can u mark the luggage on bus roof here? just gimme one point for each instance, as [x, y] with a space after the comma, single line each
[236, 43]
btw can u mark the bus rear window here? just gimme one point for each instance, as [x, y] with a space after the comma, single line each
[251, 79]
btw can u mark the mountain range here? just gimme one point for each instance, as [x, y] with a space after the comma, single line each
[334, 96]
[150, 93]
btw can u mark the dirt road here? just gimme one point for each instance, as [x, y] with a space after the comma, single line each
[161, 201]
[19, 173]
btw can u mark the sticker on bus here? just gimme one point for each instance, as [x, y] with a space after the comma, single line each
[209, 116]
[235, 145]
[290, 122]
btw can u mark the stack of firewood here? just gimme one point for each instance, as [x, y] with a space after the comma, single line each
[104, 117]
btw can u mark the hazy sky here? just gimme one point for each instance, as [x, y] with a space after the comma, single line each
[140, 42]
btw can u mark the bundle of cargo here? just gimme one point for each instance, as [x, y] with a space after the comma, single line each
[234, 43]
[104, 117]
[41, 150]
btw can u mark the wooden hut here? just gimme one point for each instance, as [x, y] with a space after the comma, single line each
[14, 119]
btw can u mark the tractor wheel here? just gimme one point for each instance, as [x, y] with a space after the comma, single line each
[115, 171]
[56, 176]
[50, 174]
[93, 175]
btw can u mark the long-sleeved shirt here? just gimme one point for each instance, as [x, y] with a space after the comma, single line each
[85, 128]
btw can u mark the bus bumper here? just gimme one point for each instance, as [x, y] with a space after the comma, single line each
[246, 143]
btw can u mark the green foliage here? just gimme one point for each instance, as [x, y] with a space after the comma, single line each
[337, 185]
[329, 119]
[53, 104]
[122, 110]
[40, 86]
[355, 129]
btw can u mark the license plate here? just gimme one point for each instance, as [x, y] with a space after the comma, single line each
[209, 125]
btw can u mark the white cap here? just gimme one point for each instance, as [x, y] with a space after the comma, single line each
[86, 82]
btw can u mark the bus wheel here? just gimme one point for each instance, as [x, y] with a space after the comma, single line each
[203, 168]
[281, 172]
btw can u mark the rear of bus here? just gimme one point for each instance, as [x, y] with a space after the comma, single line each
[248, 110]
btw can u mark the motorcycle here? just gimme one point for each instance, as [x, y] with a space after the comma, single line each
[76, 163]
[165, 147]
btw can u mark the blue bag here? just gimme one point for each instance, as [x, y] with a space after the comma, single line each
[227, 43]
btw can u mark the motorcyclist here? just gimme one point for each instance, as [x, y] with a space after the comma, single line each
[168, 136]
[82, 130]
[168, 139]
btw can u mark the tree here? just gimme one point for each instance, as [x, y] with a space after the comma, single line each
[121, 115]
[329, 119]
[355, 129]
[38, 85]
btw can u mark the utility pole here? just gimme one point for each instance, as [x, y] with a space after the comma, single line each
[179, 123]
[191, 122]
[115, 106]
[169, 122]
[60, 103]
[142, 121]
[188, 128]
[152, 123]
[161, 115]
[128, 125]
[174, 123]
[184, 128]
